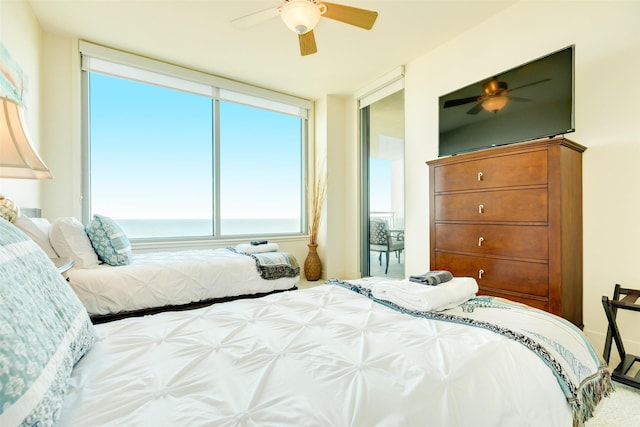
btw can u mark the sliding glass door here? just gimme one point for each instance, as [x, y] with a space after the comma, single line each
[382, 139]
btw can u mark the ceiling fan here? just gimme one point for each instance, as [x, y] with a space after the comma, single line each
[301, 16]
[495, 96]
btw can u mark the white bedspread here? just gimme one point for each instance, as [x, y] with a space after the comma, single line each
[170, 278]
[324, 356]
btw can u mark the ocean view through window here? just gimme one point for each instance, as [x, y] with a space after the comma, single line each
[170, 163]
[159, 228]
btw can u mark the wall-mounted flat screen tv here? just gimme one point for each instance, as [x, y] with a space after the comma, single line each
[531, 101]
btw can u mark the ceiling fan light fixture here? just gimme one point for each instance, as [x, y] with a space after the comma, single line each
[301, 16]
[495, 103]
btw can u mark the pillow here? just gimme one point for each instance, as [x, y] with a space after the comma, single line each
[44, 331]
[109, 241]
[38, 230]
[69, 239]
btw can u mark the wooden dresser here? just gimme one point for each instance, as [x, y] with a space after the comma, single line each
[511, 217]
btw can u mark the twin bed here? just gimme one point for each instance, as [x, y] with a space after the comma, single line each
[160, 281]
[335, 354]
[128, 284]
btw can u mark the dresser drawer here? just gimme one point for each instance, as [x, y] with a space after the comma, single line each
[513, 241]
[542, 304]
[504, 205]
[518, 276]
[501, 171]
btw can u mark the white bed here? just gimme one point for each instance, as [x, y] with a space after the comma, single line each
[332, 355]
[114, 283]
[161, 279]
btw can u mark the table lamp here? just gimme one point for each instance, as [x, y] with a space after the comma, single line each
[18, 158]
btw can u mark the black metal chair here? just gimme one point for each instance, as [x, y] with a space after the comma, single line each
[383, 240]
[611, 307]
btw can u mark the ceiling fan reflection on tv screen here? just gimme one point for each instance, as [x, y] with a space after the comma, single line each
[495, 96]
[541, 107]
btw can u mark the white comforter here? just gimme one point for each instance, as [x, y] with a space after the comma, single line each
[170, 278]
[324, 356]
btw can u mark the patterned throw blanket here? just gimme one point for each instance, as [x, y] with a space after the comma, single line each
[581, 373]
[273, 265]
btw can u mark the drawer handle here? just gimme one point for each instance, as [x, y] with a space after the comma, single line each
[480, 208]
[480, 273]
[480, 240]
[480, 175]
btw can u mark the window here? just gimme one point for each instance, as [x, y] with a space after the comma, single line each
[260, 187]
[172, 157]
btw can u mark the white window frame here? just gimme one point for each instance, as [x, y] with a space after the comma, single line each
[104, 60]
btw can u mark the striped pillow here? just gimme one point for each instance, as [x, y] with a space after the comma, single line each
[44, 331]
[109, 241]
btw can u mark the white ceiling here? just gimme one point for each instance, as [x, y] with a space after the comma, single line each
[199, 34]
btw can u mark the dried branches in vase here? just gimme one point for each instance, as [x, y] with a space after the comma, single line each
[317, 196]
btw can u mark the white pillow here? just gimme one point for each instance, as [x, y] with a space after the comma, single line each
[69, 239]
[38, 230]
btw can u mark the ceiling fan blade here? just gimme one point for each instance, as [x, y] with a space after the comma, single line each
[351, 15]
[255, 18]
[307, 43]
[529, 84]
[461, 101]
[475, 109]
[519, 99]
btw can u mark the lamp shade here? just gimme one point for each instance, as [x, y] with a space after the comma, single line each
[301, 16]
[18, 158]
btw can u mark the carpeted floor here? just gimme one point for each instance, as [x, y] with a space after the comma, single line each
[396, 267]
[620, 409]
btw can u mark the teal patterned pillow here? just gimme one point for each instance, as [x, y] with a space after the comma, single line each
[44, 331]
[109, 241]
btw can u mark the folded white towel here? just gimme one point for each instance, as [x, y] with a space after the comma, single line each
[415, 296]
[256, 249]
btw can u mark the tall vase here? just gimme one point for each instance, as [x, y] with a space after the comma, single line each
[312, 264]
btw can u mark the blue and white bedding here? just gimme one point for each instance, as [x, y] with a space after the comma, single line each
[326, 356]
[44, 331]
[274, 264]
[581, 373]
[173, 278]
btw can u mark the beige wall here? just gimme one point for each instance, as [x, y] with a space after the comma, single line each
[607, 118]
[607, 121]
[336, 120]
[62, 120]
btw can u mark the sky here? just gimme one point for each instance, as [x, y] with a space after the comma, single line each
[151, 151]
[379, 185]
